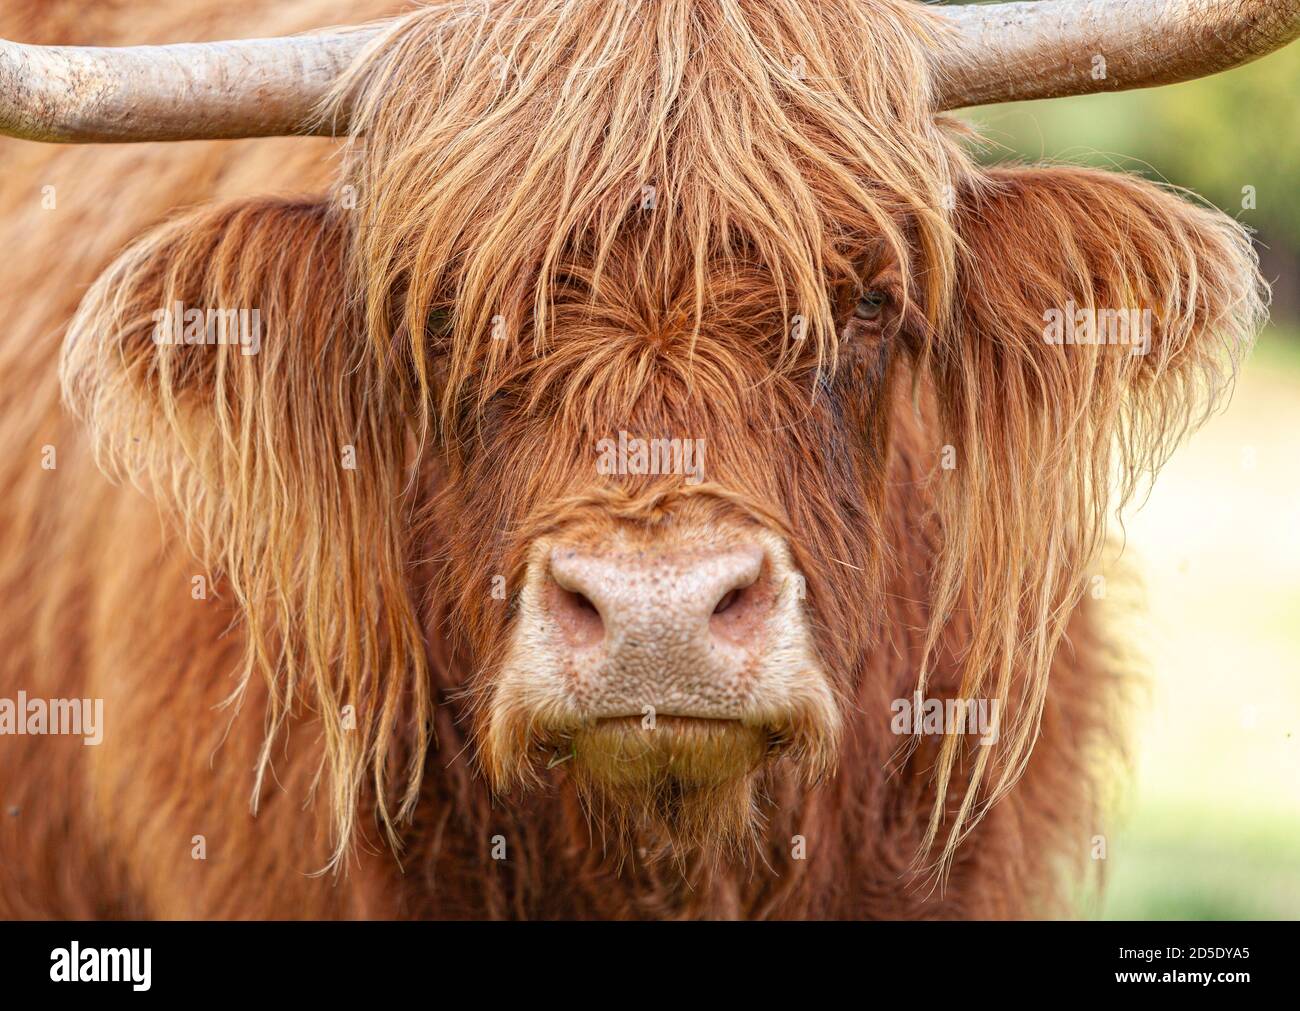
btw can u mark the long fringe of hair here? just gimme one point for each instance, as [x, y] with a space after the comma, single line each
[286, 469]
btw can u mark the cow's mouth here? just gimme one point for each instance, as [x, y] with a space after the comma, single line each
[673, 785]
[689, 750]
[677, 784]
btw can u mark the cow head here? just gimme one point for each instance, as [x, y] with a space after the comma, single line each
[641, 353]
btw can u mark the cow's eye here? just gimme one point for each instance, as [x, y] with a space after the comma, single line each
[870, 305]
[440, 322]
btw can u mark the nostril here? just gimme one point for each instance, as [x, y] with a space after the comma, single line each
[728, 599]
[740, 572]
[739, 615]
[578, 618]
[582, 603]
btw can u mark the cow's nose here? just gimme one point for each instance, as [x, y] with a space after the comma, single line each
[675, 606]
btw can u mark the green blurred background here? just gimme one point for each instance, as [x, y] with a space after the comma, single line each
[1210, 823]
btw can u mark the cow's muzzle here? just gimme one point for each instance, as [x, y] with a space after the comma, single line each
[647, 653]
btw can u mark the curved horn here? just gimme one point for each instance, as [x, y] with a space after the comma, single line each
[193, 91]
[1013, 51]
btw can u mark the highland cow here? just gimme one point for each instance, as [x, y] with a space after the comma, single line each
[375, 632]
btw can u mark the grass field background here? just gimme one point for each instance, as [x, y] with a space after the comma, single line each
[1211, 819]
[1211, 826]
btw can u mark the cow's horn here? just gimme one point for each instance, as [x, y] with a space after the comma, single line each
[267, 87]
[1013, 51]
[195, 91]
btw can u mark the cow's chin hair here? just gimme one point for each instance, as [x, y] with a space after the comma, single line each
[685, 788]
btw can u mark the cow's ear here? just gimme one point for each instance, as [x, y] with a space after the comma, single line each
[1092, 304]
[1097, 318]
[219, 364]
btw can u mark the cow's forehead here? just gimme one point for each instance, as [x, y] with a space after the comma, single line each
[720, 203]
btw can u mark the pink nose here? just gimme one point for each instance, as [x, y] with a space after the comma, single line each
[668, 629]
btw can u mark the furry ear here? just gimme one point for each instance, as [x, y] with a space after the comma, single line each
[220, 365]
[1097, 319]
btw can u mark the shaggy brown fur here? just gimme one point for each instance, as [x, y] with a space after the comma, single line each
[500, 158]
